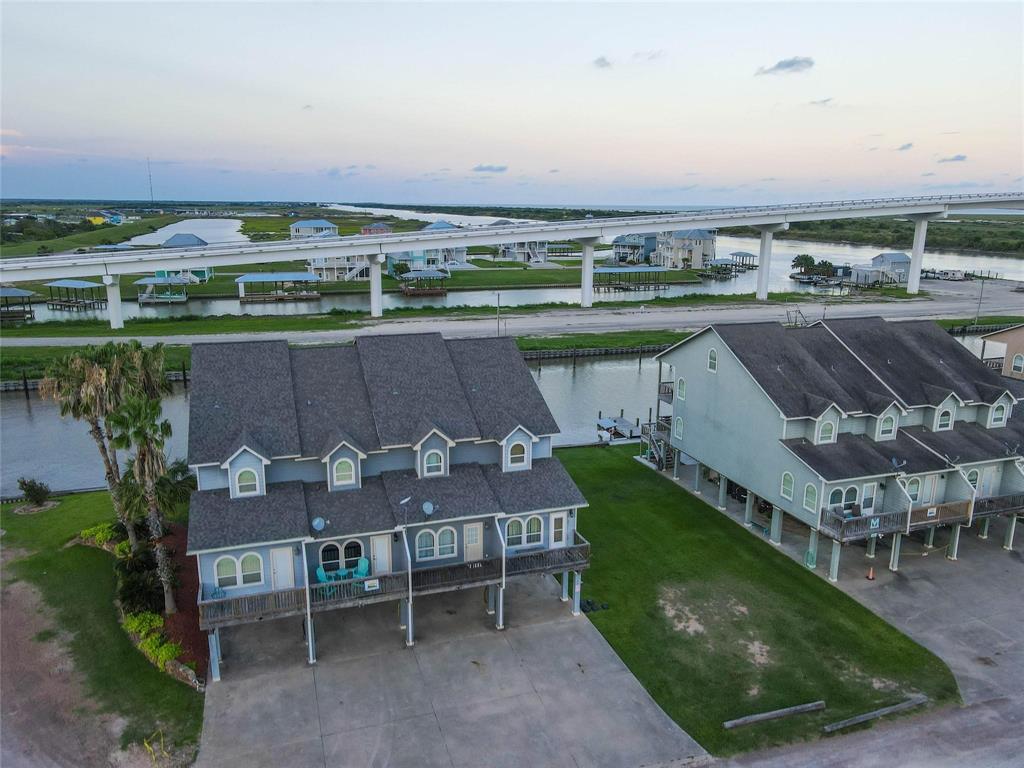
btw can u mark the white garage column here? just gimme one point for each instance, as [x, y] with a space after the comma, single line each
[764, 261]
[113, 283]
[376, 289]
[587, 276]
[917, 253]
[1011, 526]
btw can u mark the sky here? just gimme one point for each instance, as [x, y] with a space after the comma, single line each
[526, 103]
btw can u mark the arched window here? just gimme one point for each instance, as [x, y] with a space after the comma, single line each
[713, 360]
[353, 550]
[945, 420]
[888, 427]
[446, 542]
[914, 488]
[972, 478]
[344, 472]
[787, 486]
[810, 497]
[826, 432]
[835, 498]
[433, 463]
[680, 389]
[330, 557]
[425, 545]
[514, 533]
[246, 482]
[534, 530]
[678, 431]
[517, 454]
[227, 571]
[252, 568]
[1018, 364]
[999, 415]
[850, 497]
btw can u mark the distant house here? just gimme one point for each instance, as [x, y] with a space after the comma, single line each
[429, 258]
[377, 228]
[891, 267]
[685, 249]
[97, 220]
[312, 228]
[1013, 357]
[634, 248]
[193, 274]
[184, 240]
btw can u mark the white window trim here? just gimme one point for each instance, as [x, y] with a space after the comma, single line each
[426, 470]
[813, 507]
[341, 554]
[712, 362]
[832, 493]
[977, 478]
[915, 495]
[455, 543]
[241, 574]
[433, 546]
[782, 486]
[238, 491]
[938, 419]
[677, 428]
[526, 526]
[1001, 421]
[216, 576]
[522, 533]
[334, 473]
[821, 428]
[680, 389]
[526, 455]
[881, 428]
[1017, 365]
[362, 551]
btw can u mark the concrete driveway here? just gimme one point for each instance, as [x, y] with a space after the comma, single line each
[546, 691]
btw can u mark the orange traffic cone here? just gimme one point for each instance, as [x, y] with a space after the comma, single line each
[871, 573]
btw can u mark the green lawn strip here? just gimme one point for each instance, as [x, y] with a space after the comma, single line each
[688, 590]
[103, 236]
[620, 339]
[78, 583]
[261, 228]
[496, 264]
[31, 362]
[983, 320]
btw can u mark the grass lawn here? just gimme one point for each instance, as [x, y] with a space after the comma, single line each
[596, 340]
[31, 362]
[716, 624]
[496, 264]
[78, 584]
[118, 234]
[983, 320]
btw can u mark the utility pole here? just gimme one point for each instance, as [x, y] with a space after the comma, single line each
[498, 315]
[149, 170]
[977, 314]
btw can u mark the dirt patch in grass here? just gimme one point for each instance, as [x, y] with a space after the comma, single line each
[32, 509]
[681, 617]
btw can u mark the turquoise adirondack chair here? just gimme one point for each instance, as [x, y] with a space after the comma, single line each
[323, 578]
[362, 569]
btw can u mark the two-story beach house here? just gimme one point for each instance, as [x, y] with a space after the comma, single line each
[334, 477]
[349, 267]
[1012, 362]
[304, 228]
[685, 249]
[635, 249]
[856, 428]
[429, 258]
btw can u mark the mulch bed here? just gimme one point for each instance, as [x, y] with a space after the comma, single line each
[183, 626]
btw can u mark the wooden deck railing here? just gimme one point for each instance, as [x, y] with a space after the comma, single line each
[940, 514]
[842, 527]
[998, 505]
[445, 578]
[571, 558]
[239, 610]
[354, 592]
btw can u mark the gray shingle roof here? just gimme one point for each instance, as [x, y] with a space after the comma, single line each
[853, 456]
[967, 443]
[546, 486]
[463, 493]
[362, 510]
[216, 520]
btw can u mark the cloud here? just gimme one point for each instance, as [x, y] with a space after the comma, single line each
[872, 149]
[12, 132]
[602, 62]
[930, 173]
[788, 66]
[337, 173]
[960, 185]
[370, 167]
[953, 159]
[483, 168]
[307, 107]
[648, 55]
[820, 102]
[904, 147]
[769, 178]
[554, 170]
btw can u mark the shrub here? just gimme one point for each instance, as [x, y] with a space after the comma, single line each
[123, 549]
[143, 624]
[140, 592]
[158, 650]
[101, 533]
[35, 491]
[139, 561]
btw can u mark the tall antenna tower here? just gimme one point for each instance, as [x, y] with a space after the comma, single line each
[149, 170]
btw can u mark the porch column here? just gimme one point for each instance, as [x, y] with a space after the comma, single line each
[241, 289]
[587, 278]
[776, 530]
[983, 534]
[577, 589]
[723, 488]
[1011, 525]
[311, 640]
[872, 541]
[833, 561]
[214, 641]
[675, 467]
[565, 586]
[408, 620]
[929, 538]
[894, 556]
[764, 261]
[376, 289]
[696, 478]
[489, 589]
[954, 543]
[113, 283]
[748, 510]
[402, 621]
[499, 620]
[812, 546]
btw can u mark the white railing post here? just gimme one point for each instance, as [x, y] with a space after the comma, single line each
[310, 642]
[409, 636]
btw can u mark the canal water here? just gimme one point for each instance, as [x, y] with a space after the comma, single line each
[213, 231]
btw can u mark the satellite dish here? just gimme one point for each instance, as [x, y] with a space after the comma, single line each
[319, 524]
[428, 508]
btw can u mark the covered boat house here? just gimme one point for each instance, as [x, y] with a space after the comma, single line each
[630, 278]
[278, 286]
[15, 303]
[168, 289]
[424, 282]
[76, 295]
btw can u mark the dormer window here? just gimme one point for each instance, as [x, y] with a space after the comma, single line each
[999, 415]
[517, 455]
[713, 360]
[1018, 364]
[944, 420]
[433, 463]
[344, 472]
[826, 432]
[247, 483]
[972, 478]
[887, 428]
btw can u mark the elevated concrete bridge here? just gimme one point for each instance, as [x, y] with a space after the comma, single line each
[588, 232]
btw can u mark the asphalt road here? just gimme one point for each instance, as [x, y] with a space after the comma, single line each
[946, 299]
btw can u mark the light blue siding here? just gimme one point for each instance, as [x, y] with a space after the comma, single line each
[247, 460]
[208, 578]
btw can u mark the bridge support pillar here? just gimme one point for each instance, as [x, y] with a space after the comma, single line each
[764, 262]
[587, 277]
[917, 252]
[113, 283]
[1011, 526]
[376, 289]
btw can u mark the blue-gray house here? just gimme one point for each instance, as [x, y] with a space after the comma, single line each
[334, 477]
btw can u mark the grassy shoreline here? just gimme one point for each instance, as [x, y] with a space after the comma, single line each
[113, 235]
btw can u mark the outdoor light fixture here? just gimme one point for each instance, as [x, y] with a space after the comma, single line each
[572, 513]
[394, 536]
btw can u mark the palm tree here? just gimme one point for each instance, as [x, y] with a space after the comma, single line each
[137, 424]
[172, 488]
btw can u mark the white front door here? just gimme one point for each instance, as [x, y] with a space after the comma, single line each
[473, 537]
[867, 498]
[987, 486]
[282, 570]
[380, 554]
[558, 530]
